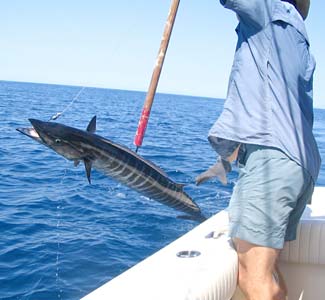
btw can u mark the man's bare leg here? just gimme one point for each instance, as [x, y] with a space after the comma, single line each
[281, 281]
[256, 267]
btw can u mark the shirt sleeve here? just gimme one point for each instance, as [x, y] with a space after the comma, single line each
[256, 12]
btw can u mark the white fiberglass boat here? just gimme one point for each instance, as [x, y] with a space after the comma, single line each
[202, 264]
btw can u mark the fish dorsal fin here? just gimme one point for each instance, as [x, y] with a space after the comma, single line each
[88, 164]
[92, 125]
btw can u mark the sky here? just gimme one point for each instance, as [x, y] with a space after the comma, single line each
[114, 44]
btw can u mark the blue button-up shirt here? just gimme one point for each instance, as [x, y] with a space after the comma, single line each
[269, 100]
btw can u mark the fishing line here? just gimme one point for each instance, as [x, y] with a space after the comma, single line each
[59, 220]
[115, 49]
[58, 114]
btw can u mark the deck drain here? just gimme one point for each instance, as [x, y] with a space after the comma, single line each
[188, 254]
[215, 234]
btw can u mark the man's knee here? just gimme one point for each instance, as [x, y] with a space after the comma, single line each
[257, 258]
[256, 267]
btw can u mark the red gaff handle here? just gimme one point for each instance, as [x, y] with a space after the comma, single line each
[142, 127]
[156, 74]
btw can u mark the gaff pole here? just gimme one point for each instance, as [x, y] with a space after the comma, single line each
[142, 126]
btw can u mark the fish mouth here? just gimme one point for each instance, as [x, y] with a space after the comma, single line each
[37, 124]
[31, 132]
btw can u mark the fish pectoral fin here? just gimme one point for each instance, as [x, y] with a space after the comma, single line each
[92, 125]
[88, 165]
[219, 170]
[76, 163]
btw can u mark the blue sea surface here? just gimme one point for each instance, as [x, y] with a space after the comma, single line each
[61, 238]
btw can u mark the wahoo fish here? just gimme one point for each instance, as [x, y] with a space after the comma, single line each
[114, 160]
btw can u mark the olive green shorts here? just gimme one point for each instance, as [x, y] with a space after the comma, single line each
[269, 198]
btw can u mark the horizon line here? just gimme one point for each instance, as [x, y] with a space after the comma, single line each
[128, 90]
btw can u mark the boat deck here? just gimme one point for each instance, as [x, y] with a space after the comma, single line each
[202, 264]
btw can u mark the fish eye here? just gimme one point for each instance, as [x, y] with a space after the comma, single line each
[57, 141]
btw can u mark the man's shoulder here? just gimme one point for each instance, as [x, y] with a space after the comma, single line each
[286, 12]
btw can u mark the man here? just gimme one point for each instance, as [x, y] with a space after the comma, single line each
[269, 111]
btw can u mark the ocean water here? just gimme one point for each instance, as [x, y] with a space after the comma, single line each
[60, 237]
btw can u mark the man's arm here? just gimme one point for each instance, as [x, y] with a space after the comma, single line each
[255, 12]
